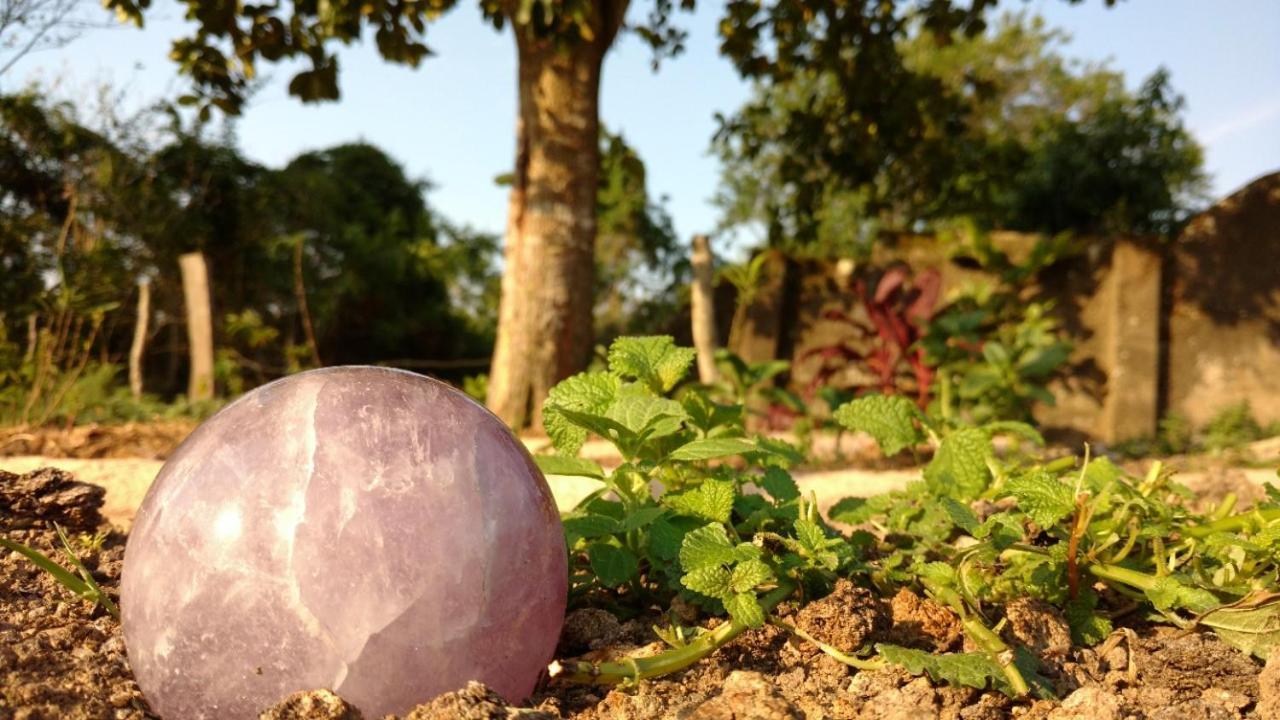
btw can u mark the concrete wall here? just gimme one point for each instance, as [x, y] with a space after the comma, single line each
[1188, 327]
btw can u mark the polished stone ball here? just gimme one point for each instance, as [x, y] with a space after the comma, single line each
[365, 530]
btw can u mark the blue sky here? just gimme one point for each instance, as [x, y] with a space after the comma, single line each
[452, 120]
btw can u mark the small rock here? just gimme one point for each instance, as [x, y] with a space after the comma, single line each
[588, 629]
[1088, 703]
[1269, 687]
[847, 618]
[1041, 628]
[1227, 699]
[312, 705]
[49, 495]
[923, 623]
[746, 696]
[474, 702]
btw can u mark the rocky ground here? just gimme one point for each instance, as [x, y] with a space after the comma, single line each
[60, 658]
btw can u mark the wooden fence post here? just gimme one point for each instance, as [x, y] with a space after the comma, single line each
[195, 293]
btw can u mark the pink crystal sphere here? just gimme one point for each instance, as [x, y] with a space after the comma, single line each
[366, 530]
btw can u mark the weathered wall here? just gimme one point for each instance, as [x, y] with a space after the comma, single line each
[1223, 302]
[1186, 327]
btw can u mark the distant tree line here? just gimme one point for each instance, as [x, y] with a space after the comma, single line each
[335, 258]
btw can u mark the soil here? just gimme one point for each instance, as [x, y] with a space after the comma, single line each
[61, 658]
[153, 440]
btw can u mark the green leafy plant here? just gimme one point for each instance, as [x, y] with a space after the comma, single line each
[996, 349]
[702, 514]
[1062, 531]
[675, 520]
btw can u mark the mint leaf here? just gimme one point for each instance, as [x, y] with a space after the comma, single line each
[1087, 626]
[744, 608]
[962, 515]
[641, 517]
[665, 539]
[780, 485]
[612, 565]
[589, 527]
[713, 581]
[750, 573]
[1042, 496]
[707, 546]
[712, 500]
[709, 448]
[1167, 593]
[654, 361]
[975, 669]
[959, 468]
[641, 413]
[1013, 427]
[560, 465]
[591, 392]
[890, 419]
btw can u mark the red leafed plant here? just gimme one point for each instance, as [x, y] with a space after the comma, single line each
[885, 341]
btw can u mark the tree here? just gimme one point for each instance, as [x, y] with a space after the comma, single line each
[27, 26]
[544, 324]
[639, 262]
[1005, 131]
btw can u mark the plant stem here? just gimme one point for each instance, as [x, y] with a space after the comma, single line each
[632, 669]
[1003, 654]
[1232, 523]
[847, 659]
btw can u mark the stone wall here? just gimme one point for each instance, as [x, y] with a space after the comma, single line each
[1186, 327]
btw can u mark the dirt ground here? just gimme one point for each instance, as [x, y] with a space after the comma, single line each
[63, 659]
[60, 658]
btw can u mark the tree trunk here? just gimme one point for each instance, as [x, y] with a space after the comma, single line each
[702, 309]
[139, 337]
[300, 293]
[195, 293]
[544, 318]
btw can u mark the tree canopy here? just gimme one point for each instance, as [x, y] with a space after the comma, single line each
[1006, 131]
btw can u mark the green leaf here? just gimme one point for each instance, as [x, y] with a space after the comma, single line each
[1042, 496]
[655, 361]
[744, 608]
[560, 465]
[589, 527]
[605, 427]
[780, 485]
[65, 577]
[1251, 624]
[665, 540]
[591, 393]
[612, 565]
[811, 535]
[713, 581]
[750, 573]
[1013, 427]
[641, 517]
[890, 419]
[1167, 593]
[1087, 626]
[712, 500]
[708, 448]
[973, 669]
[959, 468]
[641, 413]
[962, 515]
[707, 546]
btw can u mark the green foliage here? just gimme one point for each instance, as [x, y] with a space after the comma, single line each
[996, 126]
[1232, 427]
[701, 537]
[995, 350]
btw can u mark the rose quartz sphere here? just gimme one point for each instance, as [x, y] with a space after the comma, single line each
[366, 530]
